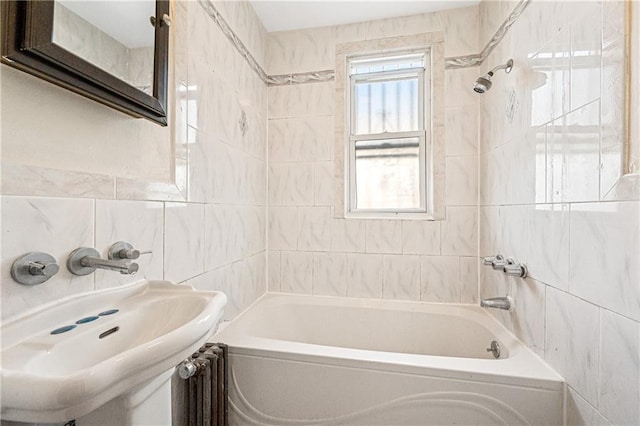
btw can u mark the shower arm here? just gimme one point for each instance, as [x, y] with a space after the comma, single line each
[506, 67]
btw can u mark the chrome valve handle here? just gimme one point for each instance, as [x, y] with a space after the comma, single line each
[499, 262]
[186, 369]
[489, 260]
[34, 268]
[46, 269]
[124, 250]
[515, 269]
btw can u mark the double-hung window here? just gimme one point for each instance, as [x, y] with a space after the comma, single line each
[388, 146]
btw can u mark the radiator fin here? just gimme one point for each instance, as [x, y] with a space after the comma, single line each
[202, 399]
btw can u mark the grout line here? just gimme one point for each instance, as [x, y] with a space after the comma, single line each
[95, 236]
[164, 239]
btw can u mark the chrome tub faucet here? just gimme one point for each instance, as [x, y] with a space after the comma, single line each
[498, 303]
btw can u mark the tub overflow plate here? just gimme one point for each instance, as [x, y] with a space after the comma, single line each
[494, 349]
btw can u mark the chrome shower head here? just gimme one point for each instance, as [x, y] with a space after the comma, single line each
[483, 84]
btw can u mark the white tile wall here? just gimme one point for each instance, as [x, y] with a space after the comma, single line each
[384, 258]
[542, 201]
[461, 181]
[572, 327]
[214, 238]
[314, 228]
[364, 275]
[184, 240]
[283, 228]
[330, 274]
[383, 236]
[619, 374]
[608, 278]
[401, 277]
[580, 412]
[347, 235]
[51, 225]
[420, 237]
[469, 279]
[459, 231]
[296, 272]
[273, 266]
[440, 278]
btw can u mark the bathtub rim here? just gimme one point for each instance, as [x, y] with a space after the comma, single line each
[513, 370]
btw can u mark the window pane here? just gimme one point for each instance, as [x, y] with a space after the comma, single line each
[388, 174]
[386, 106]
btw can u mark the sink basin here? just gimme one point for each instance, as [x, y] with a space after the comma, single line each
[122, 338]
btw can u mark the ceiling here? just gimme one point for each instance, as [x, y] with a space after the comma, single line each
[293, 15]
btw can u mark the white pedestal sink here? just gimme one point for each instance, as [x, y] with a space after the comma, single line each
[119, 355]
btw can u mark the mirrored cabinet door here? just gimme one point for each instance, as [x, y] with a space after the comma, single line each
[113, 52]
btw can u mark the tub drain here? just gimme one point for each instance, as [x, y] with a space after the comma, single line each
[494, 349]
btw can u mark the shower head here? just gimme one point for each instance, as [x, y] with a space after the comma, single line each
[483, 84]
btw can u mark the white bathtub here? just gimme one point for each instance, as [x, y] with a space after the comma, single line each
[302, 360]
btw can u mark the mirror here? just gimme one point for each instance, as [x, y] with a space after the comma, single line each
[117, 37]
[113, 52]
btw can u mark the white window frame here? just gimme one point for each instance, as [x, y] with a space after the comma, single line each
[423, 134]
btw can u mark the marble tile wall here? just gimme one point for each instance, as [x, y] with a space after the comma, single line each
[550, 168]
[312, 252]
[214, 235]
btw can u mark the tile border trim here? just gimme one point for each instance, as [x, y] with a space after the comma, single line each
[455, 62]
[503, 29]
[215, 15]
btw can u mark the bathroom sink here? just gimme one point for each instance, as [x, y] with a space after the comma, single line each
[63, 360]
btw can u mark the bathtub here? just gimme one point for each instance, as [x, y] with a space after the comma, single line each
[307, 360]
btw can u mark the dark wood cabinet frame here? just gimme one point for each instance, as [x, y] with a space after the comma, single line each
[27, 44]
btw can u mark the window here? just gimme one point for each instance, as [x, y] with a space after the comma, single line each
[389, 151]
[388, 144]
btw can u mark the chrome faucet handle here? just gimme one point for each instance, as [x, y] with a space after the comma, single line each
[124, 250]
[488, 260]
[46, 269]
[514, 269]
[34, 268]
[131, 254]
[187, 369]
[499, 262]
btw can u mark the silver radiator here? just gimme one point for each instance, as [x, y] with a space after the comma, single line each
[200, 391]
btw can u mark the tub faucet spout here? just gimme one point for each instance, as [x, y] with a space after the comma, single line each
[497, 303]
